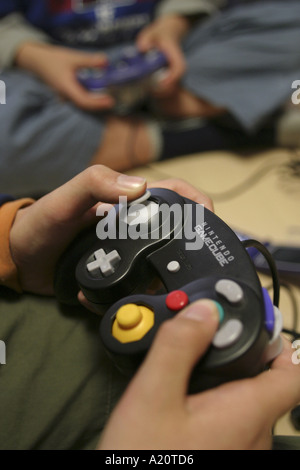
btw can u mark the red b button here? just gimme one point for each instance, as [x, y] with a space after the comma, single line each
[177, 300]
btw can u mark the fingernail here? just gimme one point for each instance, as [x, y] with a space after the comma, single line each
[131, 182]
[204, 310]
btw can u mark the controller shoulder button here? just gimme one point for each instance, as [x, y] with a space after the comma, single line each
[230, 290]
[144, 214]
[140, 211]
[141, 199]
[228, 334]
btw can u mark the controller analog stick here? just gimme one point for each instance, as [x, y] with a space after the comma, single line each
[132, 323]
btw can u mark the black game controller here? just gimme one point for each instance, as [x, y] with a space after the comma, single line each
[195, 255]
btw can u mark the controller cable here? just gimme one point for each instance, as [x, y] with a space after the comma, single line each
[289, 170]
[277, 284]
[271, 263]
[295, 413]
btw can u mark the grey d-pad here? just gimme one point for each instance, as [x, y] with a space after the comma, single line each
[105, 262]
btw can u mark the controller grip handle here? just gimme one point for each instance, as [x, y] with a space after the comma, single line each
[65, 284]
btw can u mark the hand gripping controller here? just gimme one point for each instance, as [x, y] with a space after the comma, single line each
[129, 78]
[195, 255]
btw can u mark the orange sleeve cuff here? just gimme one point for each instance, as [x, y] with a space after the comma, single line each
[8, 269]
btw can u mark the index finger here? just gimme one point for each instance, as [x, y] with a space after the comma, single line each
[177, 66]
[185, 189]
[97, 183]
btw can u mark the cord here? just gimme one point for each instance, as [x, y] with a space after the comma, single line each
[271, 263]
[245, 185]
[295, 312]
[294, 165]
[277, 285]
[290, 169]
[276, 293]
[290, 174]
[235, 191]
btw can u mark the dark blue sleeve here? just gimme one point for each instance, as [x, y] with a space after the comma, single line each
[9, 7]
[5, 198]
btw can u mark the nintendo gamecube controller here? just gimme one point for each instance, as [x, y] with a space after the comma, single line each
[129, 79]
[193, 254]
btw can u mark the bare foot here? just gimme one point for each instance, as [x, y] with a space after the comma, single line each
[184, 104]
[126, 144]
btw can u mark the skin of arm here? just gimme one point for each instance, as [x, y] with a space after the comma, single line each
[57, 66]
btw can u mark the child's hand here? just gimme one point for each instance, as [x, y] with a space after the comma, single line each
[157, 413]
[57, 66]
[166, 34]
[42, 231]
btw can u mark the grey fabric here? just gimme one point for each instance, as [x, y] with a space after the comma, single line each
[15, 30]
[44, 141]
[246, 59]
[189, 7]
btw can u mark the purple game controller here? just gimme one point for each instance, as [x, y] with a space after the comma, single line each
[128, 79]
[286, 258]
